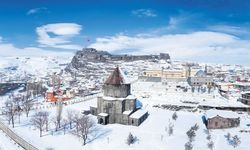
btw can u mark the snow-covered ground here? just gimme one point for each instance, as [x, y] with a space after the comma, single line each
[169, 94]
[6, 143]
[16, 68]
[151, 133]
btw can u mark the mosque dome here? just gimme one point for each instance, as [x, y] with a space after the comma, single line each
[200, 73]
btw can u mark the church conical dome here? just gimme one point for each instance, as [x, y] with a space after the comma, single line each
[116, 85]
[117, 77]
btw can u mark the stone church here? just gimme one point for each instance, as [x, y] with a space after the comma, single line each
[117, 105]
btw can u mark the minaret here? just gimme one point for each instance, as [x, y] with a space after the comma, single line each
[205, 69]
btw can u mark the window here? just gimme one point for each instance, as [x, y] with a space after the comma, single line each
[216, 124]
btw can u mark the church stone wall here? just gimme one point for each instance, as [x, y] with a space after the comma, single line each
[117, 90]
[130, 104]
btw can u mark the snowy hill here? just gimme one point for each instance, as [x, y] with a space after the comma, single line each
[18, 68]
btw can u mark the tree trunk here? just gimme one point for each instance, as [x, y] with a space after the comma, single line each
[84, 141]
[19, 118]
[12, 121]
[40, 132]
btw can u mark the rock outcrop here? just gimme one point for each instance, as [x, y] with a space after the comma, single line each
[83, 57]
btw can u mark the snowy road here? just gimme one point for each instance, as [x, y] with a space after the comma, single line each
[6, 143]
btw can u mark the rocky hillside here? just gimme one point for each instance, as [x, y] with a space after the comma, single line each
[83, 59]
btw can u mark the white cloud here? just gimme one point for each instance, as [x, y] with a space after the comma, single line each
[229, 29]
[144, 13]
[37, 10]
[198, 46]
[8, 49]
[61, 35]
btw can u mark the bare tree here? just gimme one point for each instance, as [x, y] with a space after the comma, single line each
[85, 127]
[71, 116]
[27, 104]
[55, 122]
[40, 120]
[10, 111]
[64, 125]
[76, 119]
[17, 99]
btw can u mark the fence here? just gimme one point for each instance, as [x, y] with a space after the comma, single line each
[20, 141]
[68, 102]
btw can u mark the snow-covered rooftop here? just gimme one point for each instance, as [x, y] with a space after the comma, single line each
[127, 112]
[103, 114]
[120, 99]
[138, 113]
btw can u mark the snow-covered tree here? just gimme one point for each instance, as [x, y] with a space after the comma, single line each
[174, 116]
[64, 125]
[170, 129]
[209, 137]
[228, 136]
[131, 139]
[86, 126]
[191, 134]
[195, 127]
[236, 141]
[40, 120]
[70, 116]
[188, 146]
[17, 99]
[55, 122]
[210, 145]
[76, 119]
[27, 104]
[10, 111]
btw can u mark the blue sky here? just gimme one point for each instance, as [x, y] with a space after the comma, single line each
[198, 30]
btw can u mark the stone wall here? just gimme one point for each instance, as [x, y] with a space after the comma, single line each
[117, 90]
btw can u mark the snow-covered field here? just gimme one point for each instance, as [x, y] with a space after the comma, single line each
[151, 133]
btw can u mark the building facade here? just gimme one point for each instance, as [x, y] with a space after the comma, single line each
[219, 122]
[245, 98]
[200, 79]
